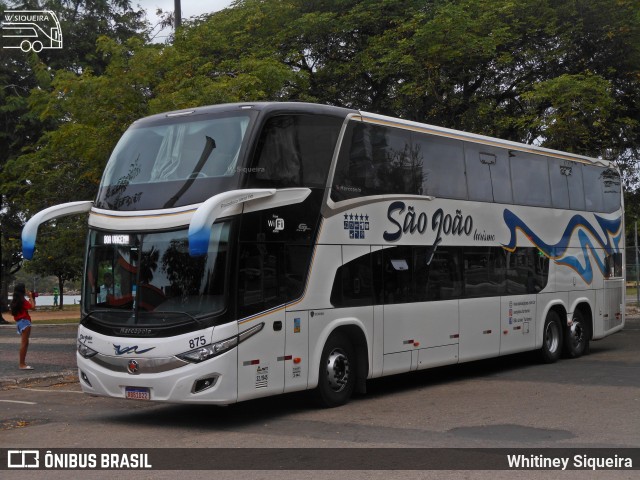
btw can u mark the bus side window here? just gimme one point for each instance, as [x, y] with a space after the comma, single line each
[278, 157]
[398, 272]
[611, 190]
[478, 172]
[594, 197]
[353, 283]
[297, 258]
[397, 168]
[530, 179]
[527, 271]
[440, 166]
[484, 272]
[445, 277]
[376, 160]
[295, 151]
[488, 173]
[567, 191]
[613, 264]
[559, 172]
[354, 170]
[261, 280]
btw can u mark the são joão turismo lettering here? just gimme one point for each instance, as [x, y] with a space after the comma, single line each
[441, 223]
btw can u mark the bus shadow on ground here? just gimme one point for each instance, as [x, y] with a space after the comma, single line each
[515, 367]
[266, 409]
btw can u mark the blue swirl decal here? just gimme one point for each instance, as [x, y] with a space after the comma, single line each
[589, 239]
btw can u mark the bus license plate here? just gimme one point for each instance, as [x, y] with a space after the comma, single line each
[137, 393]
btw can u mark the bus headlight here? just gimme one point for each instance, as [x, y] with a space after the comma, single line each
[201, 354]
[85, 351]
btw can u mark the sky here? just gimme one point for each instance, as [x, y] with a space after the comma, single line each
[189, 8]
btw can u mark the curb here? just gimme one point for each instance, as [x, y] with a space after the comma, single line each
[44, 379]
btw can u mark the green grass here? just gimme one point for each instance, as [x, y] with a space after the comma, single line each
[66, 308]
[56, 321]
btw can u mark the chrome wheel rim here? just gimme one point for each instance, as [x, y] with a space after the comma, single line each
[552, 337]
[338, 370]
[577, 334]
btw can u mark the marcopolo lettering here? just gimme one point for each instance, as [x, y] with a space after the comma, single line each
[412, 222]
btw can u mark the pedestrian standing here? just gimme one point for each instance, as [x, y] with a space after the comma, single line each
[55, 296]
[20, 307]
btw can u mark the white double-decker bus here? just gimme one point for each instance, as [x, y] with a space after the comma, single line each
[244, 250]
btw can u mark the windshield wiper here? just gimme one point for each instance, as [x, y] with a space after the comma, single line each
[208, 148]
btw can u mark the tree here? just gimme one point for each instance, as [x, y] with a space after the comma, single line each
[56, 246]
[27, 77]
[565, 75]
[230, 56]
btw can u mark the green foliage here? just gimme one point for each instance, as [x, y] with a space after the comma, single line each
[230, 57]
[44, 143]
[568, 110]
[56, 244]
[565, 75]
[91, 113]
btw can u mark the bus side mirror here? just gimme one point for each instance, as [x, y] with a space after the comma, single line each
[30, 230]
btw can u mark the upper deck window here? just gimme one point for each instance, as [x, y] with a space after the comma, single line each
[604, 195]
[530, 179]
[379, 160]
[294, 151]
[386, 160]
[488, 173]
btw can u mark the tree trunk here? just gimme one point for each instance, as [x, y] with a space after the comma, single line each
[4, 295]
[61, 288]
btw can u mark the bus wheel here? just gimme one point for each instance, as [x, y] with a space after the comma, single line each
[576, 338]
[25, 45]
[337, 371]
[37, 46]
[551, 338]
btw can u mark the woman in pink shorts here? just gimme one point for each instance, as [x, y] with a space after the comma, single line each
[20, 307]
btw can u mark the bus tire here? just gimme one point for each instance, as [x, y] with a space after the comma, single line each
[337, 378]
[37, 46]
[551, 338]
[25, 45]
[577, 336]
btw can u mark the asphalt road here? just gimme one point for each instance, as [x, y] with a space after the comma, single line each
[510, 402]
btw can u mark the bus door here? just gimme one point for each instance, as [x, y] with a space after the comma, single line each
[261, 295]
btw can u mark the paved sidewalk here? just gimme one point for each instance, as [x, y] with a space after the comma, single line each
[52, 354]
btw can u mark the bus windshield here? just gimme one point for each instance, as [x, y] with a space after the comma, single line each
[174, 162]
[150, 279]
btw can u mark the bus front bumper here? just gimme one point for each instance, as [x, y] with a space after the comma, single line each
[209, 382]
